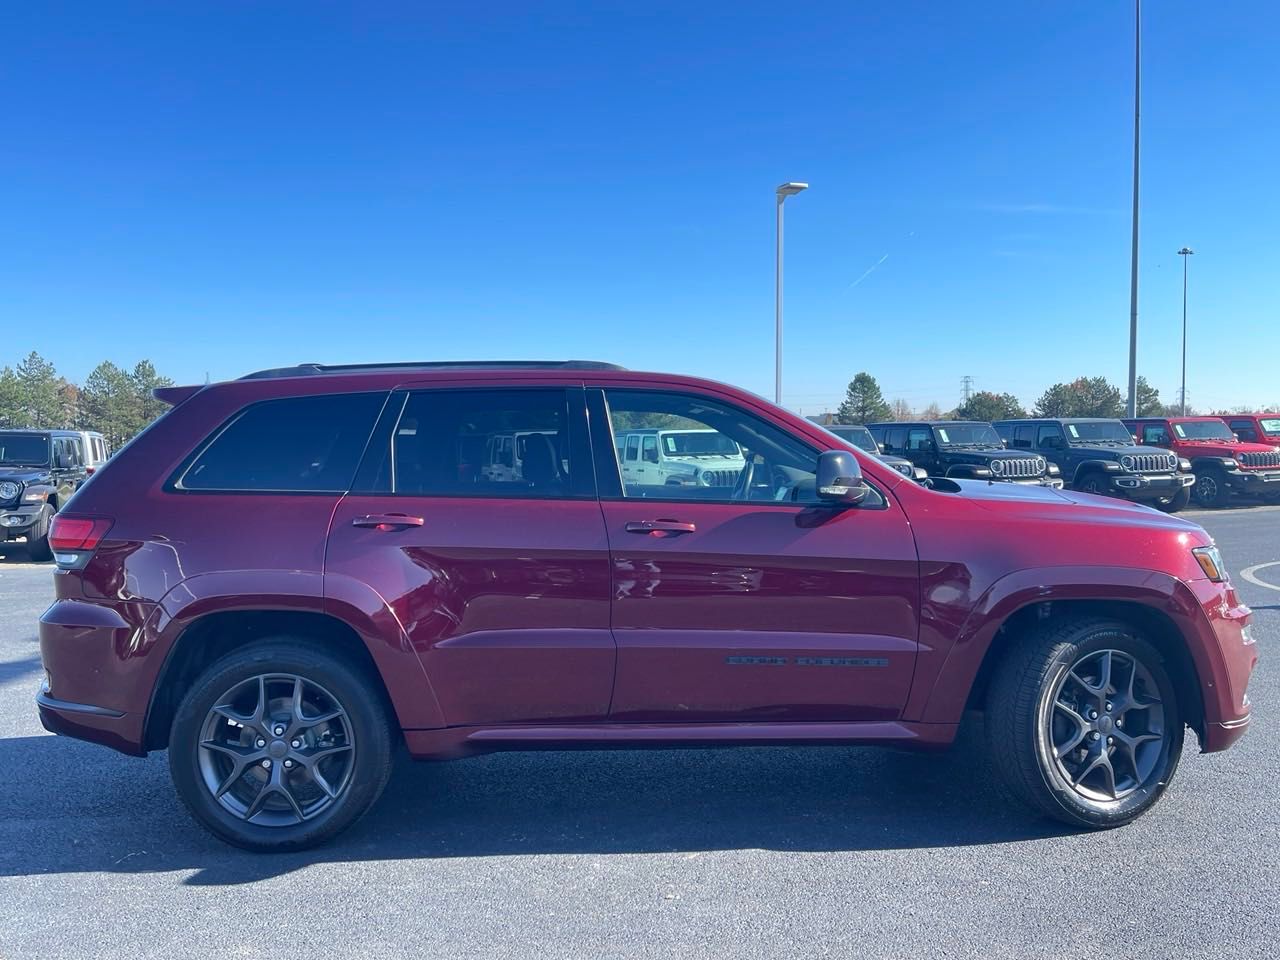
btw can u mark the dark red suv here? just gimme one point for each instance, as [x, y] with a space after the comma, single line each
[288, 574]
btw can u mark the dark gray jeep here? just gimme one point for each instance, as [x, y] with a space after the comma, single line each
[1099, 456]
[964, 450]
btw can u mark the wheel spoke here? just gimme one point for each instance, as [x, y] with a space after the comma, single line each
[241, 757]
[1104, 678]
[1082, 728]
[1101, 762]
[321, 781]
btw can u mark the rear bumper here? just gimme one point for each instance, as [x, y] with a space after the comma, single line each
[83, 721]
[97, 685]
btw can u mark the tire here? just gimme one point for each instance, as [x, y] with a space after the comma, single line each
[1174, 503]
[1210, 489]
[1026, 726]
[1095, 483]
[351, 752]
[38, 545]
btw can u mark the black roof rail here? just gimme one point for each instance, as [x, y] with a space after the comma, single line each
[320, 369]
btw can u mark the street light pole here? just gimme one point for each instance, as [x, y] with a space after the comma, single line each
[1184, 253]
[785, 190]
[1133, 265]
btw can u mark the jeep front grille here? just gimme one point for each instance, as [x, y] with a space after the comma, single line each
[1022, 468]
[719, 478]
[1255, 460]
[1150, 463]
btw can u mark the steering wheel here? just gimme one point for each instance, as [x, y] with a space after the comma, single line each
[742, 486]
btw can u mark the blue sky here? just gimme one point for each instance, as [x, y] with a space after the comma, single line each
[227, 186]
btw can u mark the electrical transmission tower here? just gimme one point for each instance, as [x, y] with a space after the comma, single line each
[966, 390]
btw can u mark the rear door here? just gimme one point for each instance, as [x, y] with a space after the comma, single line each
[748, 601]
[500, 583]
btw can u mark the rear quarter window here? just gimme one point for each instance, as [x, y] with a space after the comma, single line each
[290, 445]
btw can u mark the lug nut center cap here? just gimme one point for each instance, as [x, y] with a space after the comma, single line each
[1105, 723]
[278, 749]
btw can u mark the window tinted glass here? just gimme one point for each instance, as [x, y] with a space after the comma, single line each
[752, 460]
[1022, 437]
[296, 444]
[1154, 433]
[1048, 431]
[650, 449]
[482, 443]
[919, 438]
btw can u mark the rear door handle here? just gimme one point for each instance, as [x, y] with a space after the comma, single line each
[659, 527]
[387, 521]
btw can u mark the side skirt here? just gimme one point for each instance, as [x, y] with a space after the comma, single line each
[451, 742]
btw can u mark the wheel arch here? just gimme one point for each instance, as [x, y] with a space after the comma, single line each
[1151, 623]
[1157, 604]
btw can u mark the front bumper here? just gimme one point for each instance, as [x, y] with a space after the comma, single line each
[1225, 660]
[19, 521]
[1154, 486]
[1264, 482]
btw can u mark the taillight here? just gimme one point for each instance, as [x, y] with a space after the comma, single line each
[73, 539]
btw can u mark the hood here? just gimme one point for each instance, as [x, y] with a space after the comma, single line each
[24, 474]
[1224, 448]
[1103, 451]
[1067, 505]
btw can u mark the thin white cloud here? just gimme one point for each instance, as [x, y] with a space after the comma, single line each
[869, 271]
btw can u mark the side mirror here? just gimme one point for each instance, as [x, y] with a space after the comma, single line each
[839, 478]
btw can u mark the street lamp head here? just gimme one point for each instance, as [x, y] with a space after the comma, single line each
[1185, 252]
[791, 189]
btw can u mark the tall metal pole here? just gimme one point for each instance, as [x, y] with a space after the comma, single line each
[1133, 266]
[1185, 253]
[777, 310]
[784, 190]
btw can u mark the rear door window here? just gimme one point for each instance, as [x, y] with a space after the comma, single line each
[290, 445]
[1154, 433]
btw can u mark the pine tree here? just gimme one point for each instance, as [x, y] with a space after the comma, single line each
[109, 404]
[40, 403]
[863, 401]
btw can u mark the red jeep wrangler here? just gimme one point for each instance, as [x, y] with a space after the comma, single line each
[1255, 427]
[1223, 464]
[287, 575]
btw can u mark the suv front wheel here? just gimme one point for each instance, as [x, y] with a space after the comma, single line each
[279, 746]
[1083, 723]
[1211, 489]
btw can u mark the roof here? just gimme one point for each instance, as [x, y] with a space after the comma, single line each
[52, 431]
[1056, 419]
[924, 423]
[321, 369]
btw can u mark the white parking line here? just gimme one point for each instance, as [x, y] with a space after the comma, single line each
[1250, 574]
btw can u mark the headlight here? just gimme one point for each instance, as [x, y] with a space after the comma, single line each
[997, 467]
[1126, 462]
[903, 468]
[1210, 560]
[1184, 464]
[9, 490]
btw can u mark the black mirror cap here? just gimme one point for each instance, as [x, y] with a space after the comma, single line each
[839, 478]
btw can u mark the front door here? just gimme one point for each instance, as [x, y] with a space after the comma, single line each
[500, 582]
[749, 600]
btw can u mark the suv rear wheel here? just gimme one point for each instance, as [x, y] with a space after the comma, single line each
[279, 746]
[1083, 723]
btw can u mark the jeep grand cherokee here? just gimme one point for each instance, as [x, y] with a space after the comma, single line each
[287, 574]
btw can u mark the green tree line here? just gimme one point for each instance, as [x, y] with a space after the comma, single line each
[864, 402]
[112, 400]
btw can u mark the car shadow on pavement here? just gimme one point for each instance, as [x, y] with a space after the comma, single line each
[72, 807]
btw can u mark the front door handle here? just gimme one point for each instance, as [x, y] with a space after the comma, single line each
[659, 527]
[387, 521]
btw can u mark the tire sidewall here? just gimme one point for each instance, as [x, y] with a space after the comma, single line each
[1210, 480]
[351, 689]
[1116, 812]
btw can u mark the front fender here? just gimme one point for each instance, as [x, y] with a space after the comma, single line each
[942, 683]
[1084, 466]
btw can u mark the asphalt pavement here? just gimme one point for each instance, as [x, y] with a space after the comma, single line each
[772, 852]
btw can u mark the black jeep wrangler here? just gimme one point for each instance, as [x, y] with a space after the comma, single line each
[39, 470]
[1099, 456]
[860, 437]
[963, 450]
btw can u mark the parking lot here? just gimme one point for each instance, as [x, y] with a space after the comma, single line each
[756, 852]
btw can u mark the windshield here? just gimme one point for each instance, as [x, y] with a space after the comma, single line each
[1202, 430]
[1270, 426]
[860, 437]
[968, 435]
[699, 443]
[1107, 431]
[24, 448]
